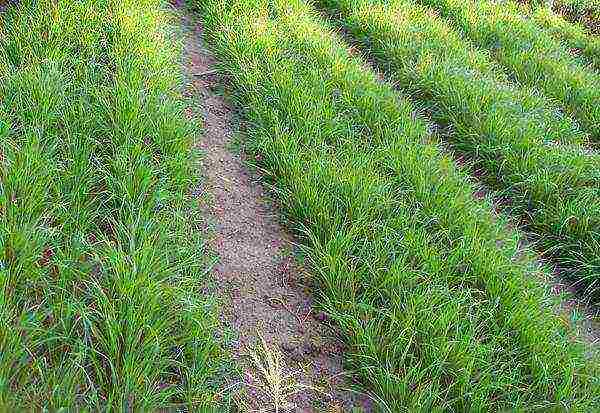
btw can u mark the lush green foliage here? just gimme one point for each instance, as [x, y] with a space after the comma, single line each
[574, 36]
[100, 276]
[532, 56]
[442, 307]
[531, 153]
[439, 305]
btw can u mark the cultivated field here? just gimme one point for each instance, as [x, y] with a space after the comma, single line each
[425, 174]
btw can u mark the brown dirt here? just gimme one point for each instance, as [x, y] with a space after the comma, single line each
[587, 17]
[262, 286]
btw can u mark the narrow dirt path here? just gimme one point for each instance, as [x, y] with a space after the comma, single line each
[288, 359]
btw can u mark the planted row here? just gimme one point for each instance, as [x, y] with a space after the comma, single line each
[529, 152]
[100, 306]
[532, 56]
[572, 35]
[420, 278]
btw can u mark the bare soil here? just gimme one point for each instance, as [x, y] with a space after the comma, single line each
[5, 3]
[288, 357]
[587, 17]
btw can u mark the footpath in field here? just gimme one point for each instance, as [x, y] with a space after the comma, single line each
[287, 359]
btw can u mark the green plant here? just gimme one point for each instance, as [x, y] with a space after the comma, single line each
[573, 35]
[100, 302]
[531, 55]
[439, 305]
[533, 155]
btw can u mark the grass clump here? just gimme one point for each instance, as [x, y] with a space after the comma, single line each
[573, 35]
[423, 282]
[531, 55]
[531, 153]
[101, 276]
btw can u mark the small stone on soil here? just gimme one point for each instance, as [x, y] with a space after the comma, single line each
[321, 317]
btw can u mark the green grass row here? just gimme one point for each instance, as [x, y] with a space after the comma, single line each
[532, 154]
[531, 55]
[100, 272]
[574, 36]
[440, 308]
